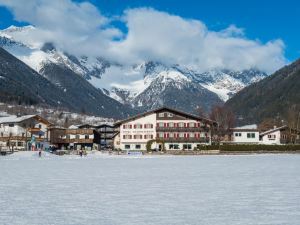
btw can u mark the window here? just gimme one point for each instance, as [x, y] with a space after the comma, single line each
[20, 144]
[181, 135]
[161, 114]
[160, 124]
[187, 146]
[174, 146]
[170, 114]
[160, 135]
[138, 126]
[272, 137]
[127, 147]
[238, 134]
[23, 134]
[77, 136]
[171, 124]
[40, 126]
[138, 136]
[148, 125]
[171, 135]
[137, 146]
[250, 135]
[127, 126]
[148, 136]
[192, 125]
[86, 136]
[181, 124]
[192, 135]
[11, 125]
[127, 136]
[1, 134]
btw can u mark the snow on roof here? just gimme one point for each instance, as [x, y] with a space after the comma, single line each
[15, 119]
[273, 130]
[247, 127]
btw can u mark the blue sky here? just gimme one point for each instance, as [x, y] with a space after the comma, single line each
[261, 20]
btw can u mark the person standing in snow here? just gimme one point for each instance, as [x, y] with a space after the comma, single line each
[40, 153]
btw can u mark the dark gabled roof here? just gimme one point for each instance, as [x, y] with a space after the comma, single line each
[164, 108]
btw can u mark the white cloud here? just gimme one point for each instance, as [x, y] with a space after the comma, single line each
[80, 28]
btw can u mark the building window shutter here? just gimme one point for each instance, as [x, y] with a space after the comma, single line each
[151, 125]
[187, 124]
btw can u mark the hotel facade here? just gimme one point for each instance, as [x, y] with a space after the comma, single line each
[174, 129]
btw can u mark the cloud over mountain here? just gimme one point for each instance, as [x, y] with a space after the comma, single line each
[81, 29]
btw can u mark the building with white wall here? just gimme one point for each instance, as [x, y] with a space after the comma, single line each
[174, 129]
[279, 135]
[248, 134]
[23, 132]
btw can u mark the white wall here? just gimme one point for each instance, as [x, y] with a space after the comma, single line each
[271, 141]
[243, 138]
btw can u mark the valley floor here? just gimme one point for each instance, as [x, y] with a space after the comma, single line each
[245, 189]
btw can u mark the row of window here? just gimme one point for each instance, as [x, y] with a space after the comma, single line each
[138, 126]
[138, 136]
[166, 135]
[76, 137]
[249, 135]
[12, 125]
[161, 124]
[171, 147]
[11, 134]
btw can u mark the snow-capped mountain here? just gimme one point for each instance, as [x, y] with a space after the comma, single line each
[143, 86]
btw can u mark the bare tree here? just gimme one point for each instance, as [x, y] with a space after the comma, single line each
[224, 117]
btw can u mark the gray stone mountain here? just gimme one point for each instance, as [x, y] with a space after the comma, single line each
[142, 86]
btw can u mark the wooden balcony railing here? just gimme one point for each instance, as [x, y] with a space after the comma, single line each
[79, 131]
[71, 140]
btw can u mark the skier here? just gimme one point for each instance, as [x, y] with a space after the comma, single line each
[40, 153]
[80, 152]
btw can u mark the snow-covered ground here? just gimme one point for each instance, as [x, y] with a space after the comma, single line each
[255, 189]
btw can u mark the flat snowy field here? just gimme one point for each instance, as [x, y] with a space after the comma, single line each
[103, 190]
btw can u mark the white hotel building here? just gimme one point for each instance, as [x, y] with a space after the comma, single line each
[176, 129]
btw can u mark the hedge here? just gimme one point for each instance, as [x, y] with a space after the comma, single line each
[259, 147]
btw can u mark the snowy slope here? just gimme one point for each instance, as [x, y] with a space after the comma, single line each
[131, 84]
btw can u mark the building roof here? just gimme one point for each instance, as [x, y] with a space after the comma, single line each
[273, 130]
[163, 109]
[16, 119]
[246, 128]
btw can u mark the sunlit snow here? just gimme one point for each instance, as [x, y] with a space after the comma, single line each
[106, 190]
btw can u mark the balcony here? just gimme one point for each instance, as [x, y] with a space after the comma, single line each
[186, 140]
[79, 131]
[182, 129]
[72, 140]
